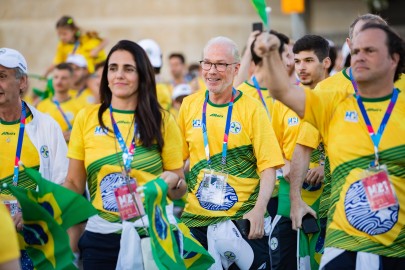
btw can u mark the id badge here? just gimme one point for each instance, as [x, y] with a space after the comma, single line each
[379, 191]
[214, 187]
[11, 204]
[126, 206]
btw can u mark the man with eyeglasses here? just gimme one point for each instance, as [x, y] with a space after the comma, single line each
[233, 155]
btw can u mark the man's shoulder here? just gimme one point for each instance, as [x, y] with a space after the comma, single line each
[337, 82]
[195, 98]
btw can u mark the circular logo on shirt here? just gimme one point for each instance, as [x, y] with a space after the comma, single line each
[230, 256]
[235, 128]
[360, 215]
[229, 200]
[273, 243]
[44, 151]
[107, 186]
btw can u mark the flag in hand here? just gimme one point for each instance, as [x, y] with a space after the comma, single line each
[164, 246]
[65, 206]
[195, 256]
[46, 241]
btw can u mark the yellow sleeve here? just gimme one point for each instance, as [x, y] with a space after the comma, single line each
[320, 106]
[9, 249]
[76, 143]
[265, 145]
[171, 152]
[182, 125]
[308, 135]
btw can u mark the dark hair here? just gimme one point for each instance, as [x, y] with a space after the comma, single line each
[394, 43]
[148, 111]
[64, 66]
[332, 56]
[317, 44]
[368, 17]
[178, 55]
[283, 41]
[68, 22]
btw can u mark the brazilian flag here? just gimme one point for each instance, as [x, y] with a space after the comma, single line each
[195, 256]
[65, 206]
[47, 242]
[164, 246]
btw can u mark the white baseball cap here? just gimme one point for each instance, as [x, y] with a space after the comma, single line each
[10, 58]
[181, 90]
[153, 51]
[77, 59]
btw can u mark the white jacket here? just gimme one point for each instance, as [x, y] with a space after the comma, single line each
[46, 135]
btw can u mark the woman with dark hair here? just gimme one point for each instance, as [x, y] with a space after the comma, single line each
[126, 140]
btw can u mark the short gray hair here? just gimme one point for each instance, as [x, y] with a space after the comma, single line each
[19, 73]
[226, 41]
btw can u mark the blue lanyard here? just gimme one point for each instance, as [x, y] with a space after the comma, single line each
[128, 154]
[259, 91]
[76, 46]
[63, 113]
[226, 134]
[19, 144]
[375, 137]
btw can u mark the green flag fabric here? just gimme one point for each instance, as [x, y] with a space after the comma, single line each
[166, 252]
[195, 256]
[47, 242]
[65, 206]
[163, 242]
[260, 7]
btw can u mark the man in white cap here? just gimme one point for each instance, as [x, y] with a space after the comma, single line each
[25, 135]
[80, 92]
[154, 53]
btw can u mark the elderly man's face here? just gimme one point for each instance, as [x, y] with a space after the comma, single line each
[10, 87]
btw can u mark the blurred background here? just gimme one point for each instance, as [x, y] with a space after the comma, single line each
[178, 25]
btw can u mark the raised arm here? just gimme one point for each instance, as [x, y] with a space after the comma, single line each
[276, 79]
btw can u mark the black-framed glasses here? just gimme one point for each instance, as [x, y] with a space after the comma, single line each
[218, 66]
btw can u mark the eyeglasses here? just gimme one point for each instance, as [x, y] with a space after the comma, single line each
[218, 66]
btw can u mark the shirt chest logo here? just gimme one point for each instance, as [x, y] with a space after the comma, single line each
[352, 116]
[100, 131]
[292, 121]
[235, 127]
[196, 123]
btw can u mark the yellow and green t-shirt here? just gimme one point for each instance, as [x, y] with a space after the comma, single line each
[29, 154]
[70, 108]
[352, 225]
[102, 155]
[252, 148]
[87, 44]
[251, 90]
